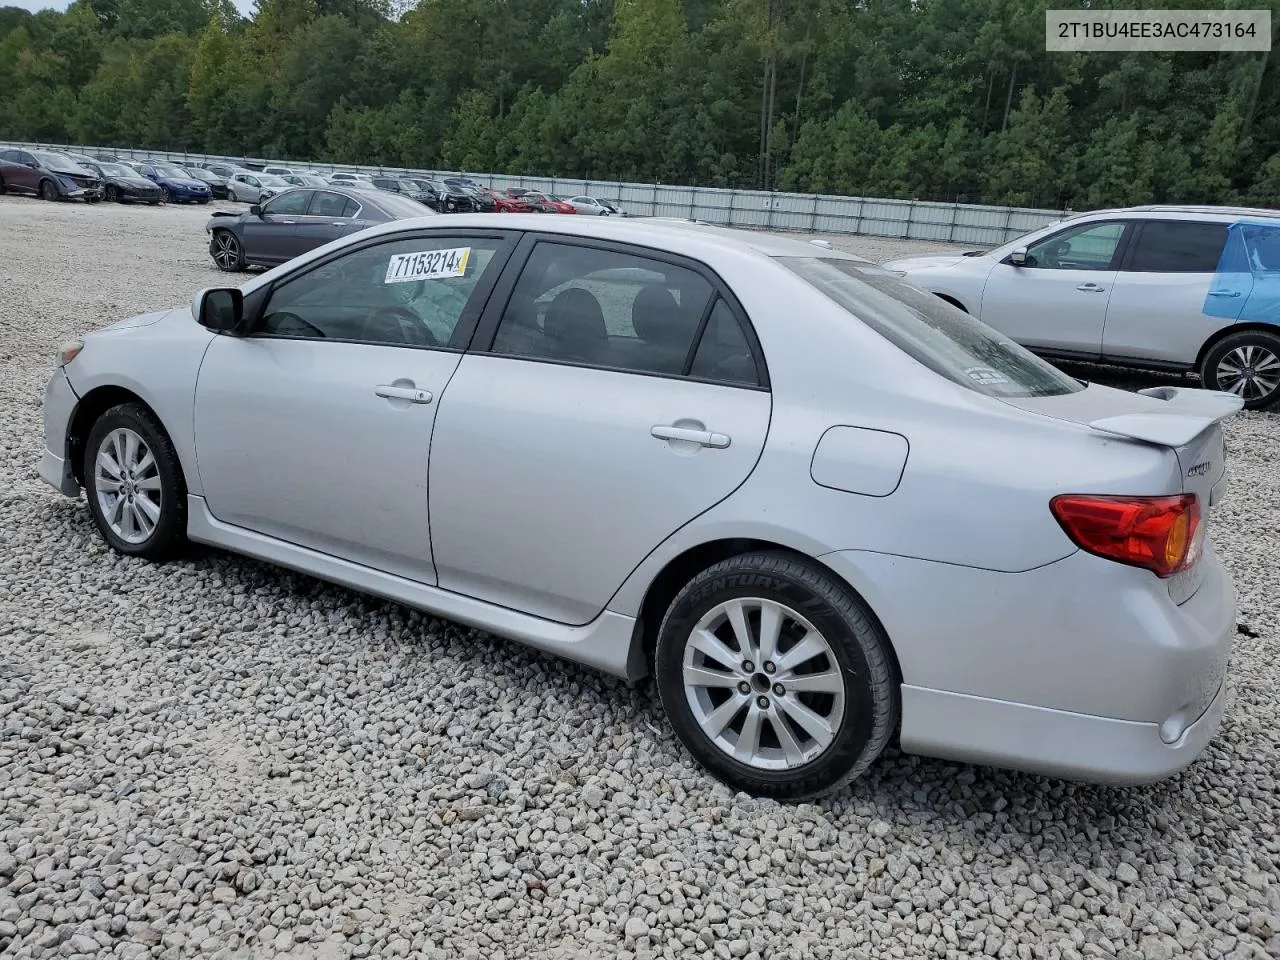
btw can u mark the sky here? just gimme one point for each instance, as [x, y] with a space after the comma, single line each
[244, 6]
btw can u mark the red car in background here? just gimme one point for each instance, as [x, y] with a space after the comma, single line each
[546, 203]
[507, 203]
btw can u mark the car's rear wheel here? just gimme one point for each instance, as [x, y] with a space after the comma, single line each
[228, 253]
[776, 676]
[112, 193]
[1246, 364]
[48, 191]
[134, 483]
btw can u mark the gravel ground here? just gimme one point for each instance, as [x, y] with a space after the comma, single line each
[213, 757]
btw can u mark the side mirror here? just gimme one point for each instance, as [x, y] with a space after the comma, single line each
[220, 309]
[1019, 257]
[255, 209]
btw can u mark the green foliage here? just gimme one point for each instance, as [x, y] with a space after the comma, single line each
[928, 99]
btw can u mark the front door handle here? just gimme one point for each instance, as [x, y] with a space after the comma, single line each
[412, 394]
[1090, 287]
[705, 438]
[1224, 293]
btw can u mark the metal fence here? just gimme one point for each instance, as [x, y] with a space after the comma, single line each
[768, 210]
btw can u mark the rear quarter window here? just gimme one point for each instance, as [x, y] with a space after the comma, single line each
[939, 335]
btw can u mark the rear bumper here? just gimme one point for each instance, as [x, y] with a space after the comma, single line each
[1082, 668]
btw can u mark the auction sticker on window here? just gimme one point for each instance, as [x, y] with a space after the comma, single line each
[428, 265]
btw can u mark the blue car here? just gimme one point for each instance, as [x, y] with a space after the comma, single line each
[177, 185]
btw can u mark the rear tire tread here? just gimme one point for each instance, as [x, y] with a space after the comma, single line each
[882, 680]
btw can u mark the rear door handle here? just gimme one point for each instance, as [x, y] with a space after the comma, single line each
[412, 394]
[705, 438]
[1224, 293]
[1090, 287]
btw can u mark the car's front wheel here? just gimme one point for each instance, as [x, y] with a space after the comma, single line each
[112, 193]
[776, 676]
[48, 191]
[1246, 364]
[228, 254]
[134, 483]
[165, 195]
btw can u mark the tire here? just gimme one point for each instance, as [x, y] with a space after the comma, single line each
[165, 195]
[227, 251]
[112, 194]
[1247, 364]
[851, 660]
[202, 200]
[154, 532]
[48, 191]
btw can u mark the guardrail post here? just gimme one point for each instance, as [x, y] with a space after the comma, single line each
[693, 202]
[653, 202]
[951, 233]
[813, 218]
[906, 227]
[770, 201]
[857, 220]
[1008, 219]
[732, 195]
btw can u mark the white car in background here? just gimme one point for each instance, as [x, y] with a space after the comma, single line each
[591, 206]
[255, 187]
[1157, 287]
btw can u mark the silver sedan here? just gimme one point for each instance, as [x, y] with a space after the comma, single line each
[820, 506]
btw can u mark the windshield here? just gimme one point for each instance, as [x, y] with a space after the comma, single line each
[57, 161]
[399, 206]
[409, 186]
[271, 180]
[172, 172]
[200, 174]
[117, 170]
[942, 337]
[308, 181]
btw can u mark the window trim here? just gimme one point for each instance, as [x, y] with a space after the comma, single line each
[257, 302]
[1131, 251]
[1117, 257]
[486, 332]
[316, 191]
[268, 212]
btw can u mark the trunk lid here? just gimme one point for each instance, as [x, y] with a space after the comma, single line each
[1186, 421]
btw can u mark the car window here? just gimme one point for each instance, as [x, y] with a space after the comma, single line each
[724, 353]
[1178, 246]
[603, 308]
[329, 204]
[937, 334]
[10, 155]
[1089, 246]
[406, 293]
[293, 203]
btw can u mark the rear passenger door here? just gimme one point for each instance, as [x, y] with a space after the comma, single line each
[611, 395]
[1157, 306]
[330, 216]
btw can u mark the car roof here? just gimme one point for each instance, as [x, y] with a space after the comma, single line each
[695, 239]
[1172, 211]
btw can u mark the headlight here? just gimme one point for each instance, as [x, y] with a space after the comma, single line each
[69, 351]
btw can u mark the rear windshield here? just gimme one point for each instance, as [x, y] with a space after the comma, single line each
[942, 337]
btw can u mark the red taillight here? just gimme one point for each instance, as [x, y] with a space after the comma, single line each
[1158, 533]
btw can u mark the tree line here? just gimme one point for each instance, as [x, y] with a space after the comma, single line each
[916, 99]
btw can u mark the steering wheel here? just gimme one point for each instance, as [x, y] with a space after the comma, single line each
[398, 325]
[291, 325]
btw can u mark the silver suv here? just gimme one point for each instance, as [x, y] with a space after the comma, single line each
[1158, 287]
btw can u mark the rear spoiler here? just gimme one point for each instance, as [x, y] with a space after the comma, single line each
[1189, 413]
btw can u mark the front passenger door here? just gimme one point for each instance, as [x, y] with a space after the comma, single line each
[315, 429]
[1057, 301]
[272, 235]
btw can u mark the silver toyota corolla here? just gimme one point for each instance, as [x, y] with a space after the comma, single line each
[820, 505]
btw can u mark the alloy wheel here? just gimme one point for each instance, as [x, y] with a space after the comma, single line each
[1249, 371]
[127, 482]
[763, 684]
[48, 191]
[226, 250]
[113, 195]
[165, 196]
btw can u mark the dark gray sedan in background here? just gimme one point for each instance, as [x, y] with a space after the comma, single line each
[298, 220]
